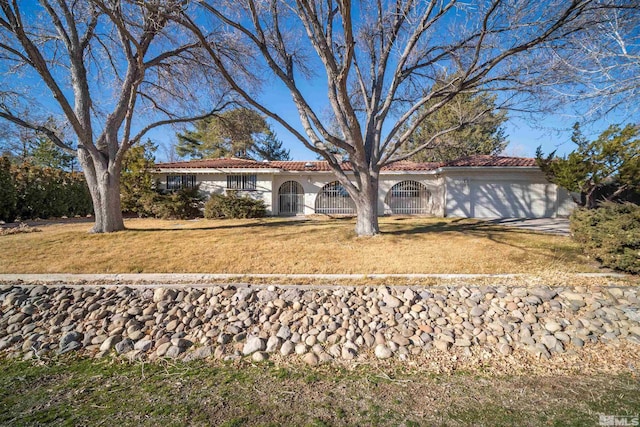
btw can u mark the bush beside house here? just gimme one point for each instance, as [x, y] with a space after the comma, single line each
[180, 204]
[233, 206]
[610, 234]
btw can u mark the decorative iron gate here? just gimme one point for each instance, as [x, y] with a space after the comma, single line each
[409, 198]
[291, 196]
[333, 199]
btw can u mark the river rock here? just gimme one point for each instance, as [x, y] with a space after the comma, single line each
[383, 352]
[253, 344]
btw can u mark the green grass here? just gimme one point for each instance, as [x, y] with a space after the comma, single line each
[73, 391]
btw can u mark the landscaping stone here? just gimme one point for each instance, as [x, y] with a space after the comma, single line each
[311, 359]
[320, 325]
[476, 311]
[110, 342]
[70, 337]
[259, 356]
[391, 301]
[442, 345]
[253, 344]
[287, 348]
[383, 352]
[143, 345]
[552, 326]
[124, 346]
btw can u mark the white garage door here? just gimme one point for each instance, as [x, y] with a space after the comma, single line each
[510, 200]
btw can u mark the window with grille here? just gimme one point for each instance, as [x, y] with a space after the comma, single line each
[409, 197]
[241, 182]
[334, 199]
[177, 182]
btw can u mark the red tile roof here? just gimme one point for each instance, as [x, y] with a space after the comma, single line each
[492, 161]
[222, 163]
[323, 166]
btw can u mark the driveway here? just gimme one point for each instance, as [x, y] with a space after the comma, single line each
[544, 225]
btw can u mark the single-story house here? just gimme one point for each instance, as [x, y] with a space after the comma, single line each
[477, 186]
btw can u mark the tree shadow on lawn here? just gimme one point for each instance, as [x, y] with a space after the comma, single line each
[489, 230]
[460, 225]
[259, 222]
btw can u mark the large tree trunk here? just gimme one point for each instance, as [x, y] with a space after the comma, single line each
[367, 206]
[104, 186]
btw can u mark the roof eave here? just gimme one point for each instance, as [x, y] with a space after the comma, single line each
[488, 168]
[217, 170]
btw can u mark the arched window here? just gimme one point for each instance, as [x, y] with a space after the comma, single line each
[291, 195]
[409, 197]
[333, 199]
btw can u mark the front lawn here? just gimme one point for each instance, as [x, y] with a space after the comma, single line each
[110, 392]
[280, 245]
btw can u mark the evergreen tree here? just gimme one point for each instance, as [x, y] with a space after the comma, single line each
[137, 191]
[241, 132]
[479, 130]
[8, 194]
[46, 153]
[603, 169]
[269, 147]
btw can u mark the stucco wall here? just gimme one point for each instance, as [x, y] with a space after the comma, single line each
[312, 183]
[217, 182]
[470, 192]
[565, 203]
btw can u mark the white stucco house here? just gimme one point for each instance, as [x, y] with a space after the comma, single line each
[478, 186]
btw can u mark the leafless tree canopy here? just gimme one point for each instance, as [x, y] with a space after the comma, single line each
[384, 61]
[112, 69]
[602, 65]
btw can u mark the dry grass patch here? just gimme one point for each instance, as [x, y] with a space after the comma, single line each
[109, 392]
[278, 245]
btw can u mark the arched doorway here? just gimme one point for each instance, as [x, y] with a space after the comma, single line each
[409, 198]
[291, 195]
[333, 199]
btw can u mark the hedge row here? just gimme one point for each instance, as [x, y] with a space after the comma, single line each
[610, 234]
[189, 203]
[28, 192]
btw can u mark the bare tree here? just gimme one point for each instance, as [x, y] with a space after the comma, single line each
[383, 62]
[602, 64]
[114, 69]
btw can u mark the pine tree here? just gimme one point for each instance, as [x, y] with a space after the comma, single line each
[479, 130]
[46, 153]
[603, 169]
[269, 147]
[229, 134]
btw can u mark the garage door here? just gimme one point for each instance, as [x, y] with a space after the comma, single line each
[510, 200]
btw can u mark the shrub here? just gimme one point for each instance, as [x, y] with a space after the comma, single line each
[232, 206]
[181, 204]
[610, 234]
[137, 194]
[8, 194]
[43, 192]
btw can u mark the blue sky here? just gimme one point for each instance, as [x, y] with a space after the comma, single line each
[523, 133]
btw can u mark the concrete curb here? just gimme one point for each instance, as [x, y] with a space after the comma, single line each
[185, 278]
